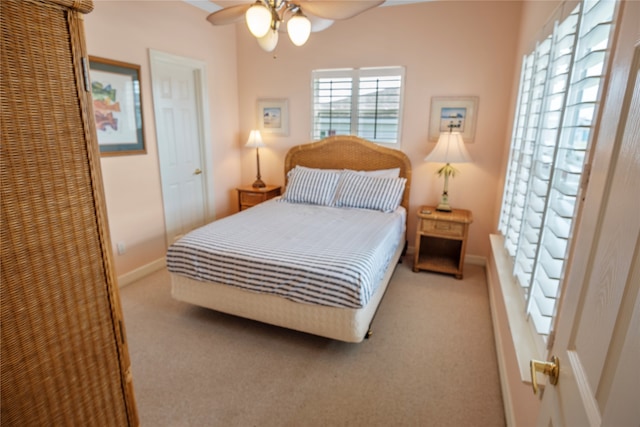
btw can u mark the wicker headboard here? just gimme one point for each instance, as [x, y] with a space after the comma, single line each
[349, 152]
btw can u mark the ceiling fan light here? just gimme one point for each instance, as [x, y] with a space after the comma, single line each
[269, 41]
[299, 28]
[258, 20]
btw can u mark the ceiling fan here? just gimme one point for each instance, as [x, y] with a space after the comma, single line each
[264, 17]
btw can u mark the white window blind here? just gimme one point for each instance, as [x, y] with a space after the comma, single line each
[366, 102]
[560, 91]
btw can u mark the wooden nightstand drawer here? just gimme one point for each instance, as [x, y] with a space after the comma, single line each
[249, 196]
[443, 228]
[252, 198]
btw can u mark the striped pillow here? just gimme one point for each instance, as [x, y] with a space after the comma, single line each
[369, 192]
[312, 186]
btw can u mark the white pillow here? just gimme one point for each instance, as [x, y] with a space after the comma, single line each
[312, 186]
[381, 173]
[369, 192]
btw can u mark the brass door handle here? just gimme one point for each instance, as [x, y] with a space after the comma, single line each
[197, 171]
[552, 369]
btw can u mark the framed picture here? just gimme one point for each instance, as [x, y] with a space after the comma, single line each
[453, 112]
[273, 116]
[117, 106]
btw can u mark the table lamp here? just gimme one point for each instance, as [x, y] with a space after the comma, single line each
[255, 140]
[449, 149]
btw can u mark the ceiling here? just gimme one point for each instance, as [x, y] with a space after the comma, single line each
[211, 6]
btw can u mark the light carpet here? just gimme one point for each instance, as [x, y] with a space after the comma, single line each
[430, 362]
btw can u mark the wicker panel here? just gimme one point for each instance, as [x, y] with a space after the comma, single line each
[59, 353]
[350, 152]
[83, 6]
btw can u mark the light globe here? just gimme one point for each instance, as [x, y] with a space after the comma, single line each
[258, 20]
[299, 29]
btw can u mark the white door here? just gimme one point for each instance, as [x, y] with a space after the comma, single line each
[179, 132]
[598, 329]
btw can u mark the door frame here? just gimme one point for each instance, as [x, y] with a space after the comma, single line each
[156, 58]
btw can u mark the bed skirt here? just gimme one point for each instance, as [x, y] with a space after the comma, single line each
[343, 324]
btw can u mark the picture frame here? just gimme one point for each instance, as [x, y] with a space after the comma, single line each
[459, 111]
[117, 106]
[273, 116]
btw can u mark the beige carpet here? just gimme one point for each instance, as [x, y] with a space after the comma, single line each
[430, 362]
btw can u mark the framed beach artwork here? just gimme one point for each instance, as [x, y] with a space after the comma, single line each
[117, 106]
[456, 113]
[273, 116]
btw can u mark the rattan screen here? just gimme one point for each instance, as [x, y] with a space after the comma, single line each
[61, 352]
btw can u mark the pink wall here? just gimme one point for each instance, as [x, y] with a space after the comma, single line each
[461, 48]
[125, 31]
[453, 48]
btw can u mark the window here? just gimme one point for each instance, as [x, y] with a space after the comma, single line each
[559, 96]
[366, 102]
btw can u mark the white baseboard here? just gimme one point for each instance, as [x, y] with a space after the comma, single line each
[140, 272]
[476, 260]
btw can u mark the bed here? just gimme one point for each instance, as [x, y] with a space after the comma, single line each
[313, 261]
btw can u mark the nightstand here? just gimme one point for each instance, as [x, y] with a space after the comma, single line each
[441, 240]
[250, 196]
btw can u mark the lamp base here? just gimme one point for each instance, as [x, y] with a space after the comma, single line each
[258, 184]
[442, 207]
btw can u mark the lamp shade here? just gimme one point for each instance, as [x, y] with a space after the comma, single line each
[255, 140]
[258, 19]
[449, 149]
[299, 29]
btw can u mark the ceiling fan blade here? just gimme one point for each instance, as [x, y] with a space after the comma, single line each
[319, 24]
[335, 9]
[228, 15]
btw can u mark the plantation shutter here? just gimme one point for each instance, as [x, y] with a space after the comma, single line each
[524, 156]
[364, 102]
[559, 59]
[510, 216]
[583, 98]
[560, 91]
[332, 99]
[379, 102]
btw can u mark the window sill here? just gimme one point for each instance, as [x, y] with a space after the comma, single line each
[526, 342]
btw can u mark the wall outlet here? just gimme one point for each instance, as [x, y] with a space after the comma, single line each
[122, 248]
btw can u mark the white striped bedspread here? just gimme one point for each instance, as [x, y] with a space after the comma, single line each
[310, 254]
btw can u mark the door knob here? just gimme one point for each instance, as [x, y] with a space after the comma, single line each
[552, 369]
[197, 171]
